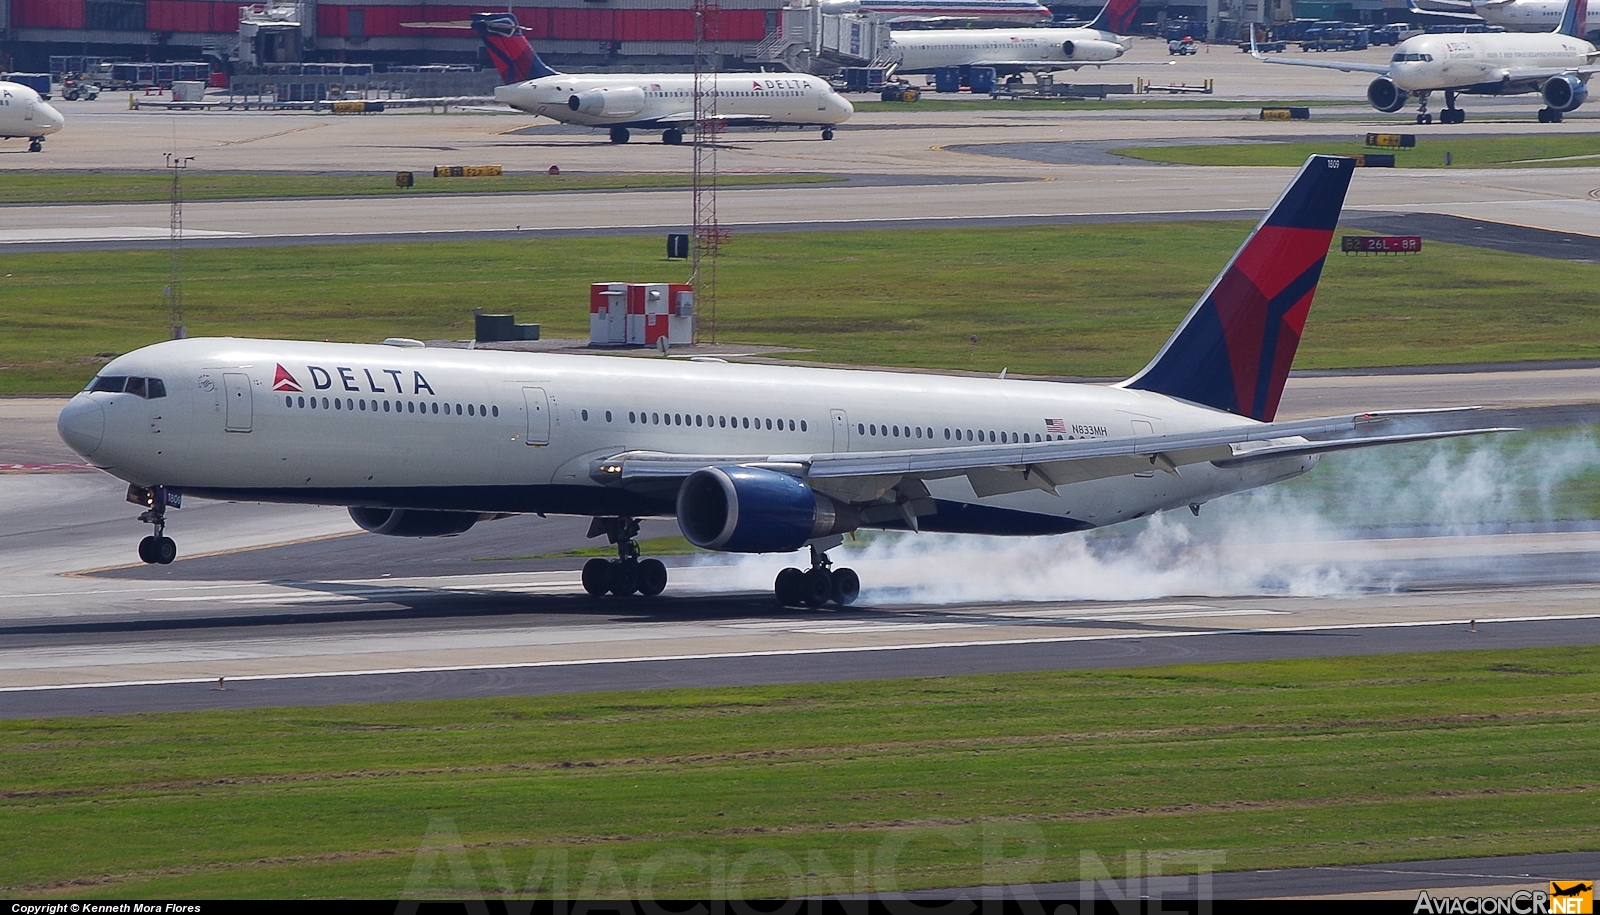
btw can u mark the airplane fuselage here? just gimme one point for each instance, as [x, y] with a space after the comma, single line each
[485, 431]
[1530, 15]
[1480, 62]
[24, 114]
[667, 99]
[1006, 49]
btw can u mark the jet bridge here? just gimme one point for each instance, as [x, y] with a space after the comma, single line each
[809, 40]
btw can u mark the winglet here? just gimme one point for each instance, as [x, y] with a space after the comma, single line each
[1233, 350]
[508, 48]
[1116, 17]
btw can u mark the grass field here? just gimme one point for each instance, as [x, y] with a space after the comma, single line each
[1430, 152]
[817, 788]
[25, 187]
[1075, 300]
[931, 102]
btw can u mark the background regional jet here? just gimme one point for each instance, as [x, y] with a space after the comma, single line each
[1018, 50]
[24, 114]
[749, 458]
[1557, 65]
[650, 101]
[1511, 15]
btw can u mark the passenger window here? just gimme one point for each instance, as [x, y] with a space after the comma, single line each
[608, 414]
[337, 404]
[697, 419]
[584, 414]
[655, 419]
[896, 431]
[469, 410]
[324, 403]
[386, 406]
[791, 425]
[288, 401]
[747, 422]
[722, 422]
[496, 410]
[483, 410]
[630, 417]
[802, 425]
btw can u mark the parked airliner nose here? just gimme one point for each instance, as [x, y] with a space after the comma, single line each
[82, 424]
[49, 118]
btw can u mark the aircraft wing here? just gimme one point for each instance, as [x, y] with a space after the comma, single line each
[1382, 69]
[1448, 10]
[863, 476]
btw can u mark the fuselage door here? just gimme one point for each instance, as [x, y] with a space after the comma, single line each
[538, 415]
[236, 389]
[841, 431]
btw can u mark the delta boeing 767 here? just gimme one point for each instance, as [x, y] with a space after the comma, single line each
[422, 441]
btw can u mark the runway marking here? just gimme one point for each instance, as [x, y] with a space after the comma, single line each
[82, 573]
[801, 652]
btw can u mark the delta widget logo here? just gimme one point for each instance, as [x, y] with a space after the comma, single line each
[283, 381]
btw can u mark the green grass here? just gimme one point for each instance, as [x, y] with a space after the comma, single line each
[1093, 300]
[931, 102]
[26, 187]
[817, 787]
[1470, 152]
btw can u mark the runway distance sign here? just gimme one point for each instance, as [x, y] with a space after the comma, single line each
[1380, 244]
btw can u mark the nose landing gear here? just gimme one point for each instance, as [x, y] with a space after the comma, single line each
[158, 548]
[817, 585]
[36, 144]
[627, 574]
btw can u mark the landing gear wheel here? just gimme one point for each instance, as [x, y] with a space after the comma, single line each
[597, 577]
[36, 145]
[624, 578]
[1452, 116]
[147, 550]
[672, 136]
[1549, 116]
[165, 550]
[619, 134]
[652, 577]
[827, 133]
[788, 587]
[846, 587]
[1424, 119]
[816, 588]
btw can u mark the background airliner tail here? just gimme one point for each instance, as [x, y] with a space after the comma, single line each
[1575, 19]
[1116, 17]
[1234, 349]
[508, 48]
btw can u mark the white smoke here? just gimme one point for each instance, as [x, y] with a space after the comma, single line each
[1325, 534]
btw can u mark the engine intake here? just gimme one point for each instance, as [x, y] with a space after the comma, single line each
[411, 522]
[608, 102]
[751, 510]
[1564, 93]
[1386, 96]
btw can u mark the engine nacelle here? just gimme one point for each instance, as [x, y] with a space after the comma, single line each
[1386, 96]
[1564, 93]
[411, 522]
[608, 102]
[751, 510]
[1091, 50]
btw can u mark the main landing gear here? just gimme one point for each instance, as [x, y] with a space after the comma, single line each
[620, 135]
[158, 548]
[1451, 114]
[672, 136]
[626, 574]
[1549, 116]
[818, 585]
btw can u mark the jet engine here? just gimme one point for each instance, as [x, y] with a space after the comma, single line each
[1385, 95]
[1564, 93]
[1091, 50]
[751, 510]
[410, 522]
[608, 102]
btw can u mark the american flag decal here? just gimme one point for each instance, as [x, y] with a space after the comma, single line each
[1056, 426]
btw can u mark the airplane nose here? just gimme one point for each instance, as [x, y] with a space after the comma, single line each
[53, 121]
[82, 424]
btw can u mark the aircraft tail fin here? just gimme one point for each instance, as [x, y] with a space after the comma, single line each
[1574, 19]
[1116, 17]
[1233, 350]
[508, 48]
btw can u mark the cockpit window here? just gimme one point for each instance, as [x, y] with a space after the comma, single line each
[1402, 58]
[148, 388]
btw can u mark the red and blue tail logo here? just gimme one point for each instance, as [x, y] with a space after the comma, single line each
[1575, 18]
[1234, 349]
[1117, 17]
[508, 48]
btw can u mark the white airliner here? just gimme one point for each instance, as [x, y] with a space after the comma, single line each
[1017, 50]
[749, 458]
[1019, 11]
[1557, 65]
[1512, 15]
[24, 114]
[624, 102]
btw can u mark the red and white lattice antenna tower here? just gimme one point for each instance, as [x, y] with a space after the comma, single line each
[708, 235]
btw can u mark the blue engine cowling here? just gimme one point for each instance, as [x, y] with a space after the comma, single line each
[410, 522]
[1564, 93]
[751, 510]
[1384, 95]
